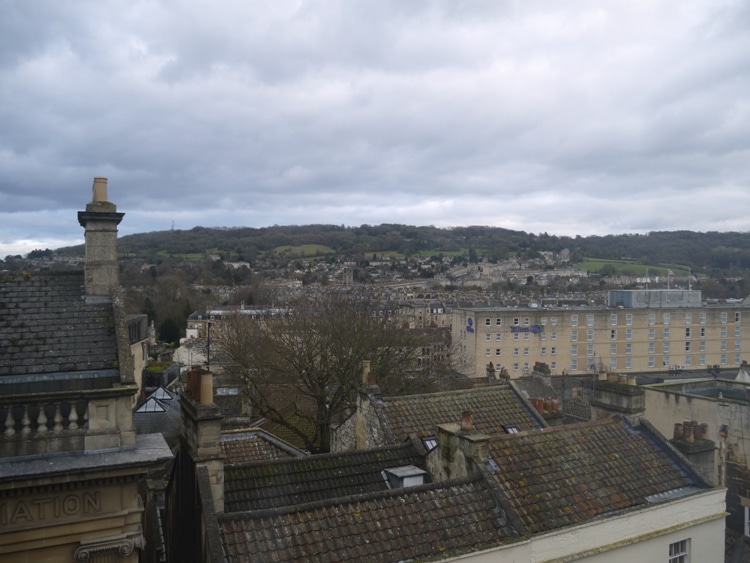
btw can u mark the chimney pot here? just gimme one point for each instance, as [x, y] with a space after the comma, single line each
[99, 189]
[467, 425]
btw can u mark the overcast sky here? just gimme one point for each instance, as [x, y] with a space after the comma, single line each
[571, 117]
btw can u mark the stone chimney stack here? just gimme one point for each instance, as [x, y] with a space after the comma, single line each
[100, 221]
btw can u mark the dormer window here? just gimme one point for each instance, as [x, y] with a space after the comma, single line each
[511, 428]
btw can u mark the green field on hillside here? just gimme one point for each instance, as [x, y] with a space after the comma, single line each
[629, 267]
[304, 250]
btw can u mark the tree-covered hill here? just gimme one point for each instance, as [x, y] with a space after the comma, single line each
[710, 252]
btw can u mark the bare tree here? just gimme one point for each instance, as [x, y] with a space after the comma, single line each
[302, 363]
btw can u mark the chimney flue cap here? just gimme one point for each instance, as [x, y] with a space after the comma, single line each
[99, 189]
[467, 425]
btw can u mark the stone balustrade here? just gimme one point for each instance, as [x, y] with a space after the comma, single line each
[30, 420]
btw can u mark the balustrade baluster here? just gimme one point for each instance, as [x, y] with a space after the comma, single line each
[85, 415]
[58, 418]
[10, 422]
[41, 420]
[73, 417]
[25, 421]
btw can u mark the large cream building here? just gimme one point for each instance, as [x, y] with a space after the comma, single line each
[639, 331]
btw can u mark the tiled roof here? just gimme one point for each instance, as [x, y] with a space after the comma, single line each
[419, 415]
[430, 521]
[309, 479]
[47, 327]
[571, 474]
[250, 446]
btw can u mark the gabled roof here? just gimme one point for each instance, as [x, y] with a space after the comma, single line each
[419, 415]
[255, 444]
[287, 482]
[572, 474]
[47, 326]
[430, 521]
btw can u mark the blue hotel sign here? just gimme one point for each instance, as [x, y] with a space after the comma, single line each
[535, 329]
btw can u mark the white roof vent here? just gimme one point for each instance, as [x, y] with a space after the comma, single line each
[404, 476]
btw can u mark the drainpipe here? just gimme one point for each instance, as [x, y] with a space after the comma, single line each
[723, 454]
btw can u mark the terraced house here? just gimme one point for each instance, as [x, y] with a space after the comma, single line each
[639, 331]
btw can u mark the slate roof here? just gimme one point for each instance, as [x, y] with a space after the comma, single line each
[419, 415]
[302, 480]
[47, 327]
[430, 521]
[159, 413]
[253, 445]
[572, 474]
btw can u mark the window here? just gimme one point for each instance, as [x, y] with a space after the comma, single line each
[628, 362]
[526, 366]
[487, 336]
[723, 359]
[666, 348]
[703, 332]
[651, 333]
[589, 334]
[553, 320]
[688, 360]
[665, 360]
[544, 351]
[515, 351]
[589, 349]
[553, 336]
[553, 351]
[498, 351]
[613, 334]
[487, 352]
[702, 359]
[574, 365]
[553, 366]
[544, 321]
[723, 317]
[613, 363]
[688, 332]
[703, 318]
[515, 336]
[688, 346]
[736, 358]
[574, 349]
[544, 336]
[629, 348]
[688, 318]
[498, 336]
[723, 345]
[666, 317]
[573, 320]
[589, 320]
[515, 367]
[679, 552]
[629, 319]
[628, 334]
[651, 361]
[666, 333]
[651, 347]
[525, 335]
[488, 321]
[515, 321]
[574, 335]
[499, 321]
[738, 331]
[723, 332]
[526, 321]
[613, 320]
[511, 428]
[652, 318]
[613, 349]
[702, 346]
[525, 351]
[737, 317]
